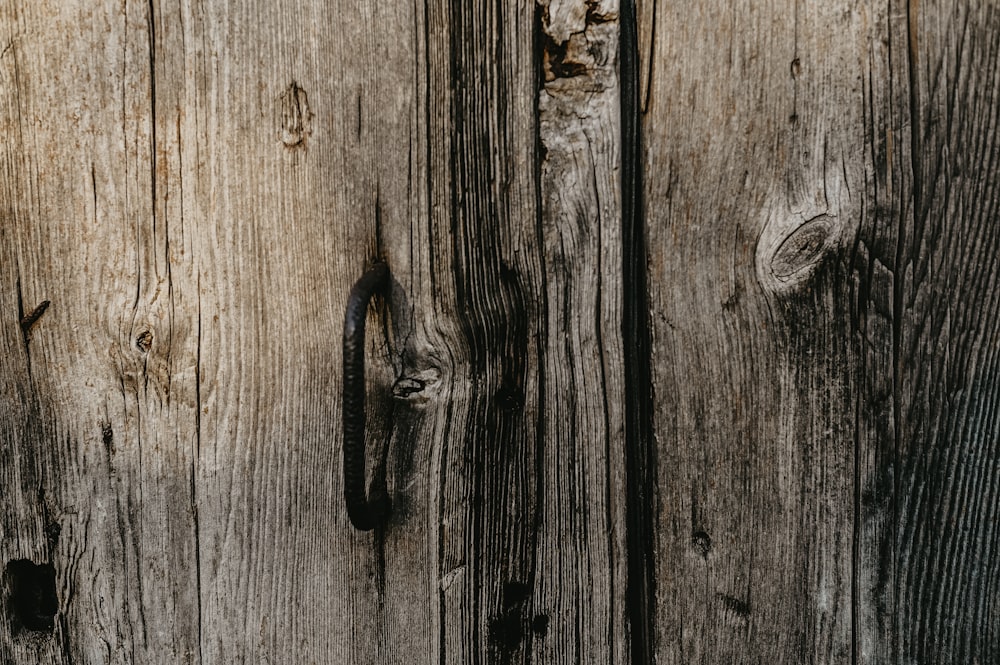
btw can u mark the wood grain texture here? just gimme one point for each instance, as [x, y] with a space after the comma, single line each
[526, 479]
[195, 187]
[183, 373]
[583, 517]
[926, 274]
[821, 210]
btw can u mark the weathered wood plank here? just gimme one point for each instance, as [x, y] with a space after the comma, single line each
[583, 519]
[524, 209]
[821, 202]
[79, 232]
[177, 182]
[752, 129]
[926, 271]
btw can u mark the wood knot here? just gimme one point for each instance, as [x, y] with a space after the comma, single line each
[296, 116]
[788, 254]
[144, 341]
[417, 386]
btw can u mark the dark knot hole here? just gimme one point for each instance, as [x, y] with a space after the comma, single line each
[33, 599]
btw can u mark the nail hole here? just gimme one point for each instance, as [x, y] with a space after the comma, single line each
[32, 594]
[540, 625]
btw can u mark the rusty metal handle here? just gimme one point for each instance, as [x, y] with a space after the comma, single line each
[365, 512]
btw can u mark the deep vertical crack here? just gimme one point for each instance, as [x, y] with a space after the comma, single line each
[640, 455]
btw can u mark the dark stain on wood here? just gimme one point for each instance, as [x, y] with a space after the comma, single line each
[740, 608]
[702, 543]
[108, 437]
[540, 625]
[507, 630]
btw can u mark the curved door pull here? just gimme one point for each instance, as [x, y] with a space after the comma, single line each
[366, 512]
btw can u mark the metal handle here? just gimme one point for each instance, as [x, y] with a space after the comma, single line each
[366, 512]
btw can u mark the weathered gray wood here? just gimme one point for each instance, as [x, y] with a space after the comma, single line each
[926, 271]
[583, 518]
[525, 487]
[194, 187]
[171, 190]
[821, 208]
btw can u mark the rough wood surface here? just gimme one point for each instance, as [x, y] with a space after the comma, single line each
[691, 350]
[194, 187]
[821, 204]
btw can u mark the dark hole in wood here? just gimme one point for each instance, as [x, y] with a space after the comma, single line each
[702, 542]
[514, 593]
[509, 396]
[594, 16]
[33, 599]
[108, 436]
[540, 625]
[406, 386]
[506, 631]
[557, 65]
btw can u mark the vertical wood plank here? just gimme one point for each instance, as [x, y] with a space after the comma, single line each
[524, 211]
[193, 189]
[78, 197]
[925, 276]
[284, 128]
[583, 519]
[751, 126]
[820, 185]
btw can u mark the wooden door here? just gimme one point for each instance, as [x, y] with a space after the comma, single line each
[688, 357]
